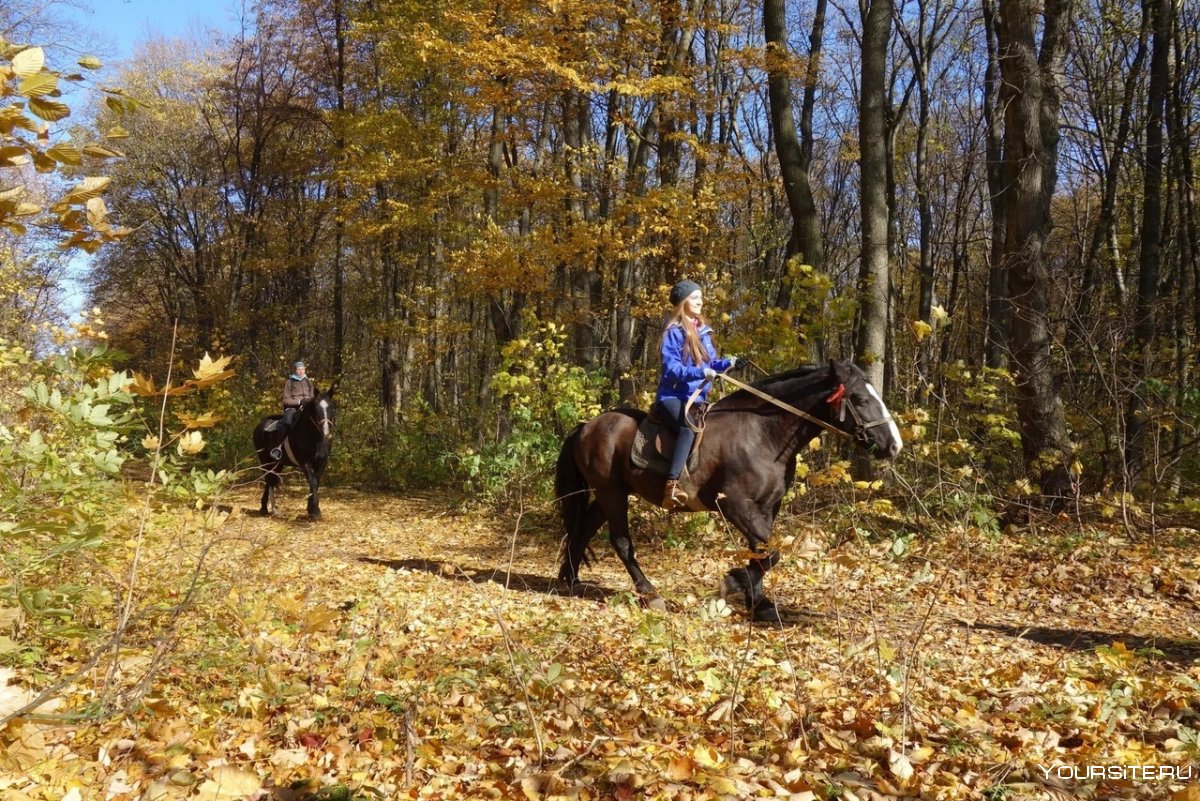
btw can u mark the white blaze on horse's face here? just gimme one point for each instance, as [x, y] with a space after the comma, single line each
[324, 404]
[897, 440]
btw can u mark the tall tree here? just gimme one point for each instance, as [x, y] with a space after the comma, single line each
[873, 169]
[1146, 322]
[1031, 96]
[999, 309]
[794, 154]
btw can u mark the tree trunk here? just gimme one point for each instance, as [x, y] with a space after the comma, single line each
[871, 345]
[794, 157]
[999, 309]
[1146, 323]
[1031, 99]
[872, 127]
[339, 273]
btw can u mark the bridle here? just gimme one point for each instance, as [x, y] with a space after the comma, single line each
[325, 424]
[836, 399]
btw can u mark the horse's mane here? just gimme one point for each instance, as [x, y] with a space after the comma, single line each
[778, 385]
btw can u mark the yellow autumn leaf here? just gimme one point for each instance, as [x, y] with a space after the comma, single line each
[150, 442]
[142, 385]
[28, 62]
[706, 755]
[681, 769]
[39, 84]
[49, 110]
[900, 766]
[191, 442]
[206, 420]
[921, 328]
[228, 783]
[90, 187]
[210, 370]
[938, 314]
[97, 212]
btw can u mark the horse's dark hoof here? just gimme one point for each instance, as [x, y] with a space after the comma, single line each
[767, 612]
[732, 590]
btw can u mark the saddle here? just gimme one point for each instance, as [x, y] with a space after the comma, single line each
[272, 423]
[654, 442]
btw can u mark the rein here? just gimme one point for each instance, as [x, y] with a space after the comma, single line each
[805, 415]
[837, 399]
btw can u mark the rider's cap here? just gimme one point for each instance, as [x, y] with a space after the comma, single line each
[297, 365]
[681, 290]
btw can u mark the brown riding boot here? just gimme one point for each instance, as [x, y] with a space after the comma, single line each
[673, 496]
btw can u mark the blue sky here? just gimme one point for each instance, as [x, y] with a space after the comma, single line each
[120, 26]
[128, 22]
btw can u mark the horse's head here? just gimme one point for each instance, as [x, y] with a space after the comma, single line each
[322, 411]
[858, 409]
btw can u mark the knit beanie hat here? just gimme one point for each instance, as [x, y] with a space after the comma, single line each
[681, 290]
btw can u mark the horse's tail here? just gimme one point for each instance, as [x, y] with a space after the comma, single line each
[571, 490]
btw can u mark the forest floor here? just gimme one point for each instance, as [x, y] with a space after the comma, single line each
[404, 648]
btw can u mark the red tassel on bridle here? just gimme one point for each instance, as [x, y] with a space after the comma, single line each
[835, 399]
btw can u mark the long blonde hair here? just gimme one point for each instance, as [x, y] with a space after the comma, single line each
[691, 333]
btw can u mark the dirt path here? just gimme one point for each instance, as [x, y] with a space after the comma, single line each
[401, 648]
[982, 661]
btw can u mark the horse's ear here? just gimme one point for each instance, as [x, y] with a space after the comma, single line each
[842, 369]
[333, 387]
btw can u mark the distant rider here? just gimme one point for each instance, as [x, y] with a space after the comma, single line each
[297, 391]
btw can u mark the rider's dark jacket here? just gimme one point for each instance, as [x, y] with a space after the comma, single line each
[297, 391]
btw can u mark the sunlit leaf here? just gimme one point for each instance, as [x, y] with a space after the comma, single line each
[42, 83]
[206, 420]
[49, 110]
[28, 62]
[98, 151]
[65, 153]
[97, 211]
[90, 187]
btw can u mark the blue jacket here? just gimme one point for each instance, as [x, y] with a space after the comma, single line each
[680, 374]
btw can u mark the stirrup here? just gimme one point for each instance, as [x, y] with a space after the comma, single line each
[673, 496]
[276, 453]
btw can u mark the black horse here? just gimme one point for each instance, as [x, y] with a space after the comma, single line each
[746, 462]
[307, 448]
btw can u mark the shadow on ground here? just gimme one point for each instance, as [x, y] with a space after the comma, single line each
[1182, 652]
[541, 585]
[522, 582]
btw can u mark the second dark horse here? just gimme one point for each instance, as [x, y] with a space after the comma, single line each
[308, 444]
